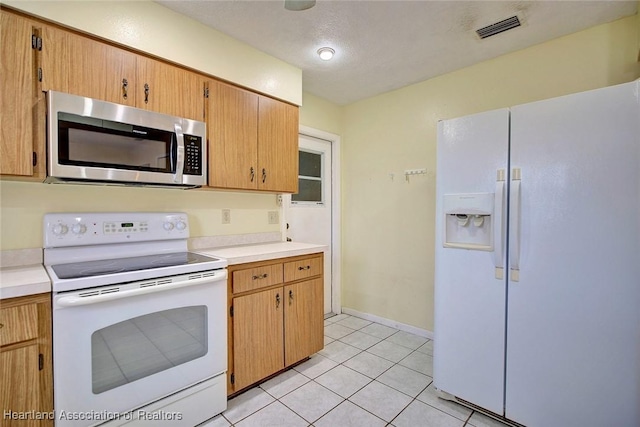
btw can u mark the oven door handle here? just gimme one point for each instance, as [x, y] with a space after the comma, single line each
[77, 300]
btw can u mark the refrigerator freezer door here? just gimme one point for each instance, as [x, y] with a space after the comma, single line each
[469, 300]
[573, 329]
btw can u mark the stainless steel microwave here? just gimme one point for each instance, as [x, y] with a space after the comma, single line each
[91, 141]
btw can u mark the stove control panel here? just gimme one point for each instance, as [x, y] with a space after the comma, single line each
[81, 229]
[125, 227]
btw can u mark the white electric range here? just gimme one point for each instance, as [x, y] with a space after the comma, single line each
[139, 322]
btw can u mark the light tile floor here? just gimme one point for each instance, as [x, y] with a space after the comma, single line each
[367, 375]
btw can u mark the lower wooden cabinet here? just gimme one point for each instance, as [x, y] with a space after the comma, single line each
[275, 319]
[26, 395]
[258, 349]
[303, 320]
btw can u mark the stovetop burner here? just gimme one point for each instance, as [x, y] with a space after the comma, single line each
[119, 265]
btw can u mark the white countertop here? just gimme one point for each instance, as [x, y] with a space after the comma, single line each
[17, 281]
[264, 251]
[24, 280]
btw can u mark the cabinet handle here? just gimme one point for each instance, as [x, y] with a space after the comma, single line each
[277, 300]
[125, 84]
[264, 175]
[146, 93]
[261, 276]
[253, 173]
[1, 325]
[308, 267]
[290, 297]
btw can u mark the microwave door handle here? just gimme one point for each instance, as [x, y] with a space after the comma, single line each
[179, 160]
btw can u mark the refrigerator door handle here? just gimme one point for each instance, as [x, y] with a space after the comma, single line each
[514, 215]
[498, 225]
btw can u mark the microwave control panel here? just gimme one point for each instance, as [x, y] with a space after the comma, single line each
[192, 155]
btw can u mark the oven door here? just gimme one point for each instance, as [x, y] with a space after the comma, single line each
[117, 348]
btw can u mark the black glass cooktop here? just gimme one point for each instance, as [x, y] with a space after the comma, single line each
[120, 265]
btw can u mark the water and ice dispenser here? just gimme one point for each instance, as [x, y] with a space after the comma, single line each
[468, 222]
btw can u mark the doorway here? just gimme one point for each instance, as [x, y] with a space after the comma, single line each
[312, 215]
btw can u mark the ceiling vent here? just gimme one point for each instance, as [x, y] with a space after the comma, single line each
[498, 27]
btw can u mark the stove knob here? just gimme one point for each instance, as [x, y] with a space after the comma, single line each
[168, 226]
[60, 229]
[180, 225]
[78, 229]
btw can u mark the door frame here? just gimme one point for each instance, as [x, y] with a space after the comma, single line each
[334, 140]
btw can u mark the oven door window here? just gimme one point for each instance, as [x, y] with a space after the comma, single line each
[86, 141]
[136, 348]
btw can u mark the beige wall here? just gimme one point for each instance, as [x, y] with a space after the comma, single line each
[152, 28]
[24, 204]
[321, 114]
[388, 223]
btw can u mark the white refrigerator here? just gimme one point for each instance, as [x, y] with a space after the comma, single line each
[537, 279]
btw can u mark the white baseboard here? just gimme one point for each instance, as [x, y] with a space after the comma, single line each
[388, 322]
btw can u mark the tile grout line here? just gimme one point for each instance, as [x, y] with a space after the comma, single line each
[370, 379]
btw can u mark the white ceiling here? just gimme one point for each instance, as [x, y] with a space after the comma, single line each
[385, 45]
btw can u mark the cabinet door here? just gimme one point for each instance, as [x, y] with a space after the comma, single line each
[233, 137]
[17, 90]
[100, 71]
[303, 320]
[277, 146]
[56, 45]
[20, 390]
[19, 323]
[257, 336]
[169, 89]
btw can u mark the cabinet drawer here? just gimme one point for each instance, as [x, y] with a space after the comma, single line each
[256, 278]
[302, 269]
[18, 323]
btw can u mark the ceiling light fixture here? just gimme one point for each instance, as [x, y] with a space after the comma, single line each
[326, 53]
[297, 5]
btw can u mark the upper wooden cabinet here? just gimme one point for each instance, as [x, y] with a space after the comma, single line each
[169, 89]
[277, 146]
[55, 57]
[232, 121]
[21, 103]
[83, 66]
[89, 68]
[253, 140]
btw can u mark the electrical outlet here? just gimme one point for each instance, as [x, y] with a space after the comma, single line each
[274, 218]
[226, 216]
